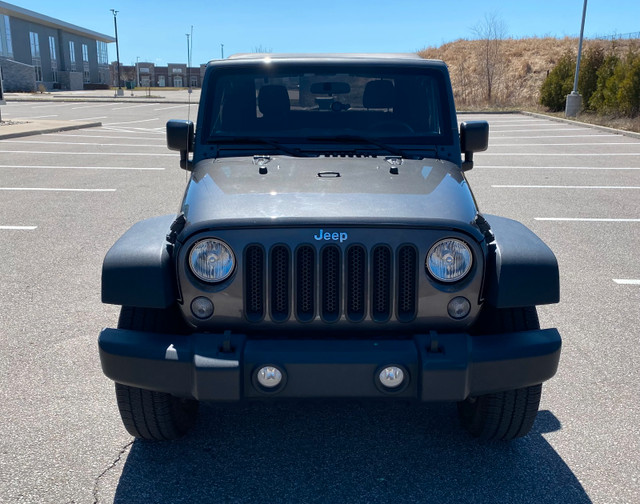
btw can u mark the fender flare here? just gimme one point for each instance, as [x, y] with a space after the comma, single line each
[521, 269]
[138, 269]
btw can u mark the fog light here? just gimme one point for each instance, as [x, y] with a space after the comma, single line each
[202, 308]
[391, 377]
[269, 376]
[459, 307]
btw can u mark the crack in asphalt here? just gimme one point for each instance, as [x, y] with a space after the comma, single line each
[125, 448]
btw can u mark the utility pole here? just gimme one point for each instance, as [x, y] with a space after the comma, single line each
[574, 100]
[188, 64]
[115, 24]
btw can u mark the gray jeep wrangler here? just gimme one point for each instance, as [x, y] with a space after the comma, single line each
[328, 246]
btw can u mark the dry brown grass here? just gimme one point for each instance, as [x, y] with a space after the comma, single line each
[521, 70]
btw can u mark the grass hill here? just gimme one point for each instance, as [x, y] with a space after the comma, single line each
[518, 67]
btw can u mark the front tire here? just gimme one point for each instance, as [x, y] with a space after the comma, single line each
[508, 415]
[147, 414]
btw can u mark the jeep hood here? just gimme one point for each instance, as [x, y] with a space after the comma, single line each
[286, 191]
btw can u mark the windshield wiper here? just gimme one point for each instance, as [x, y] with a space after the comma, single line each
[256, 140]
[361, 139]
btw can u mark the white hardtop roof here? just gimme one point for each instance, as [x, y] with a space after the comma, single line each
[325, 56]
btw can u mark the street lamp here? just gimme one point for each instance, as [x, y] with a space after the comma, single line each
[115, 24]
[574, 100]
[188, 64]
[137, 71]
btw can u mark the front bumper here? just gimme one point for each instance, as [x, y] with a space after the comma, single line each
[222, 367]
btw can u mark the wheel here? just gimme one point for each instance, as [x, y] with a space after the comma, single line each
[503, 415]
[147, 414]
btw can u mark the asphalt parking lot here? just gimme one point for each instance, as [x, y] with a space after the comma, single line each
[66, 197]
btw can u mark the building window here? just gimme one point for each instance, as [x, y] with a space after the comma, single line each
[6, 48]
[54, 59]
[161, 81]
[103, 53]
[194, 81]
[72, 56]
[85, 63]
[36, 61]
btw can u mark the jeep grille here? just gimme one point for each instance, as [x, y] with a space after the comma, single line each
[354, 282]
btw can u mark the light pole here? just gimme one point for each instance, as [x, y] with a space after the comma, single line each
[115, 24]
[137, 72]
[574, 100]
[188, 64]
[222, 51]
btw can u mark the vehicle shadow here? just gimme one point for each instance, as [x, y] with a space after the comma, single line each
[345, 452]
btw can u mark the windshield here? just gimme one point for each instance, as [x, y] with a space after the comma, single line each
[385, 104]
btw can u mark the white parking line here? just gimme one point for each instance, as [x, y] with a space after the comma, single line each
[512, 167]
[88, 118]
[43, 167]
[19, 228]
[40, 142]
[562, 187]
[48, 153]
[585, 135]
[580, 219]
[54, 189]
[93, 106]
[73, 134]
[625, 281]
[131, 122]
[40, 117]
[572, 154]
[48, 105]
[134, 106]
[529, 130]
[174, 107]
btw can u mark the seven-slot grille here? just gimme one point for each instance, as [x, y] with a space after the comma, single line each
[331, 282]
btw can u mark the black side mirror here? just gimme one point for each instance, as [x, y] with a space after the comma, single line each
[474, 137]
[180, 136]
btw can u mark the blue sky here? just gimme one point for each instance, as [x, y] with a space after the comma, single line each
[156, 31]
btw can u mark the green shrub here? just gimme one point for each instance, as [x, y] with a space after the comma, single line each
[602, 99]
[628, 87]
[559, 83]
[588, 79]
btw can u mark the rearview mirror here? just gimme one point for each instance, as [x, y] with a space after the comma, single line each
[330, 88]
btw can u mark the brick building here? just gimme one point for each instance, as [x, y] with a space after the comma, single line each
[150, 75]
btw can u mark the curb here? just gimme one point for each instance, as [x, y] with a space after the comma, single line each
[42, 130]
[632, 134]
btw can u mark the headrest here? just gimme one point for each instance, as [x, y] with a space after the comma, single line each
[273, 100]
[378, 94]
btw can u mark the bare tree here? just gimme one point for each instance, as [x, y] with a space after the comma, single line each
[260, 49]
[491, 31]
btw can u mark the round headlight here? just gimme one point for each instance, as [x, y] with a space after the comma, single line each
[449, 260]
[211, 260]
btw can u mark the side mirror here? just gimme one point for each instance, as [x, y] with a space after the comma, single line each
[180, 136]
[474, 137]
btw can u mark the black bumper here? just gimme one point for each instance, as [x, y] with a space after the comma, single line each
[222, 367]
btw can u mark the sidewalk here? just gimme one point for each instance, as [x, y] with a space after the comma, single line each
[141, 95]
[13, 129]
